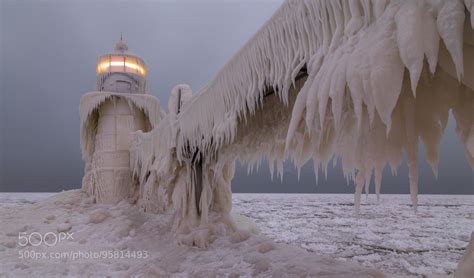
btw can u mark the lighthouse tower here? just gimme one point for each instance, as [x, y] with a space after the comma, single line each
[109, 116]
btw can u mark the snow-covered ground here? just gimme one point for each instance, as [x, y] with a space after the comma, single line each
[388, 236]
[101, 240]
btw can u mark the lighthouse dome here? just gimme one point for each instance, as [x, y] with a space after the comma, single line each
[121, 45]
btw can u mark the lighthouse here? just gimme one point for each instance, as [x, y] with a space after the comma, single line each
[110, 115]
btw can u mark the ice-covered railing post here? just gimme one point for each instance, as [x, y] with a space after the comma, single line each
[108, 116]
[195, 156]
[202, 197]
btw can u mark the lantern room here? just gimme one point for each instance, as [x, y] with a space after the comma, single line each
[121, 63]
[121, 72]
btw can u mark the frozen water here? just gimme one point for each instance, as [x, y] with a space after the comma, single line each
[388, 236]
[392, 239]
[17, 199]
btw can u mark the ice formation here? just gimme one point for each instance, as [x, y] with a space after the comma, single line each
[107, 120]
[363, 82]
[360, 82]
[466, 266]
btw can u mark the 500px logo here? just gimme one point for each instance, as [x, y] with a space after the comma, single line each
[48, 239]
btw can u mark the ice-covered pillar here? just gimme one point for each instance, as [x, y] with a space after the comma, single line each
[179, 95]
[119, 107]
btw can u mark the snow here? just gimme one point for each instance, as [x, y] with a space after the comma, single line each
[128, 229]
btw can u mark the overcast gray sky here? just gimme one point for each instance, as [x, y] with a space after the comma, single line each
[48, 61]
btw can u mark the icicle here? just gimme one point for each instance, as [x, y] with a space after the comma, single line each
[378, 179]
[366, 189]
[359, 184]
[430, 39]
[316, 170]
[450, 27]
[409, 31]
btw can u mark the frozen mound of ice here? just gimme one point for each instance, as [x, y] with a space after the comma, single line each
[466, 265]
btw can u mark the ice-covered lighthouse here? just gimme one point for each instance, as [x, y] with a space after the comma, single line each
[109, 116]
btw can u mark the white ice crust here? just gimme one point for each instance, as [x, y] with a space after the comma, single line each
[107, 120]
[91, 101]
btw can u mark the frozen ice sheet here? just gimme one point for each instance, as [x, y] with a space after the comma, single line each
[388, 236]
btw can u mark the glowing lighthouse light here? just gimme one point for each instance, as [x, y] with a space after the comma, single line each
[121, 72]
[121, 63]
